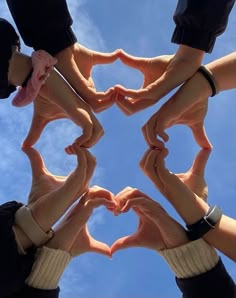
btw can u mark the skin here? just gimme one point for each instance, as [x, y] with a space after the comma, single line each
[187, 193]
[56, 100]
[156, 229]
[75, 63]
[189, 104]
[72, 234]
[161, 75]
[51, 196]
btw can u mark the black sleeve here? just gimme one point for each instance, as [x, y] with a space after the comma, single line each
[199, 22]
[215, 283]
[43, 24]
[28, 292]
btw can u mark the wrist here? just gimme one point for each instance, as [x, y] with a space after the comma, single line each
[199, 228]
[207, 74]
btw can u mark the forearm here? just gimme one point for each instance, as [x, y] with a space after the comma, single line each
[183, 65]
[224, 71]
[223, 237]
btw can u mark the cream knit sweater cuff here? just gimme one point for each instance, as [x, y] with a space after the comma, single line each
[191, 259]
[48, 267]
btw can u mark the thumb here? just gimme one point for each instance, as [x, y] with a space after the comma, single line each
[200, 136]
[99, 247]
[131, 61]
[36, 161]
[105, 58]
[36, 128]
[122, 243]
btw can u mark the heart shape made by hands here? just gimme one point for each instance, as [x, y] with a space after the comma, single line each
[156, 229]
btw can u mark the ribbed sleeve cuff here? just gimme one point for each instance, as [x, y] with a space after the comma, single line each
[191, 259]
[48, 267]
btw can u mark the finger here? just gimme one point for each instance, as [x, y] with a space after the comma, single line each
[144, 157]
[97, 133]
[98, 192]
[151, 168]
[36, 128]
[123, 243]
[105, 58]
[119, 100]
[130, 92]
[122, 199]
[137, 99]
[200, 136]
[97, 202]
[150, 136]
[70, 150]
[131, 203]
[199, 164]
[99, 247]
[86, 138]
[91, 165]
[37, 164]
[131, 61]
[123, 191]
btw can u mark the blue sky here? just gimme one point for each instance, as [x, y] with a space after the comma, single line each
[142, 29]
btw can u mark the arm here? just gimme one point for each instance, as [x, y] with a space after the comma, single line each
[161, 75]
[52, 197]
[50, 29]
[55, 99]
[71, 239]
[187, 193]
[189, 104]
[199, 271]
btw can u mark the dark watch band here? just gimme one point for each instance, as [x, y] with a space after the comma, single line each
[205, 224]
[210, 79]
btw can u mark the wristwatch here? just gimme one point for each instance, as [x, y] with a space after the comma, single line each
[205, 224]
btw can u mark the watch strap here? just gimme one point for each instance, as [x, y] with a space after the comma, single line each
[205, 224]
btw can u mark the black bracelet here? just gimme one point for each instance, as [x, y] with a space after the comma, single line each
[205, 224]
[210, 79]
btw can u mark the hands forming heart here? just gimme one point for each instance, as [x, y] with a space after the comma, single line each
[157, 230]
[58, 100]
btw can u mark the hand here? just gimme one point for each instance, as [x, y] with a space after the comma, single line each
[179, 189]
[156, 229]
[72, 234]
[61, 102]
[43, 181]
[187, 106]
[50, 195]
[161, 75]
[75, 63]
